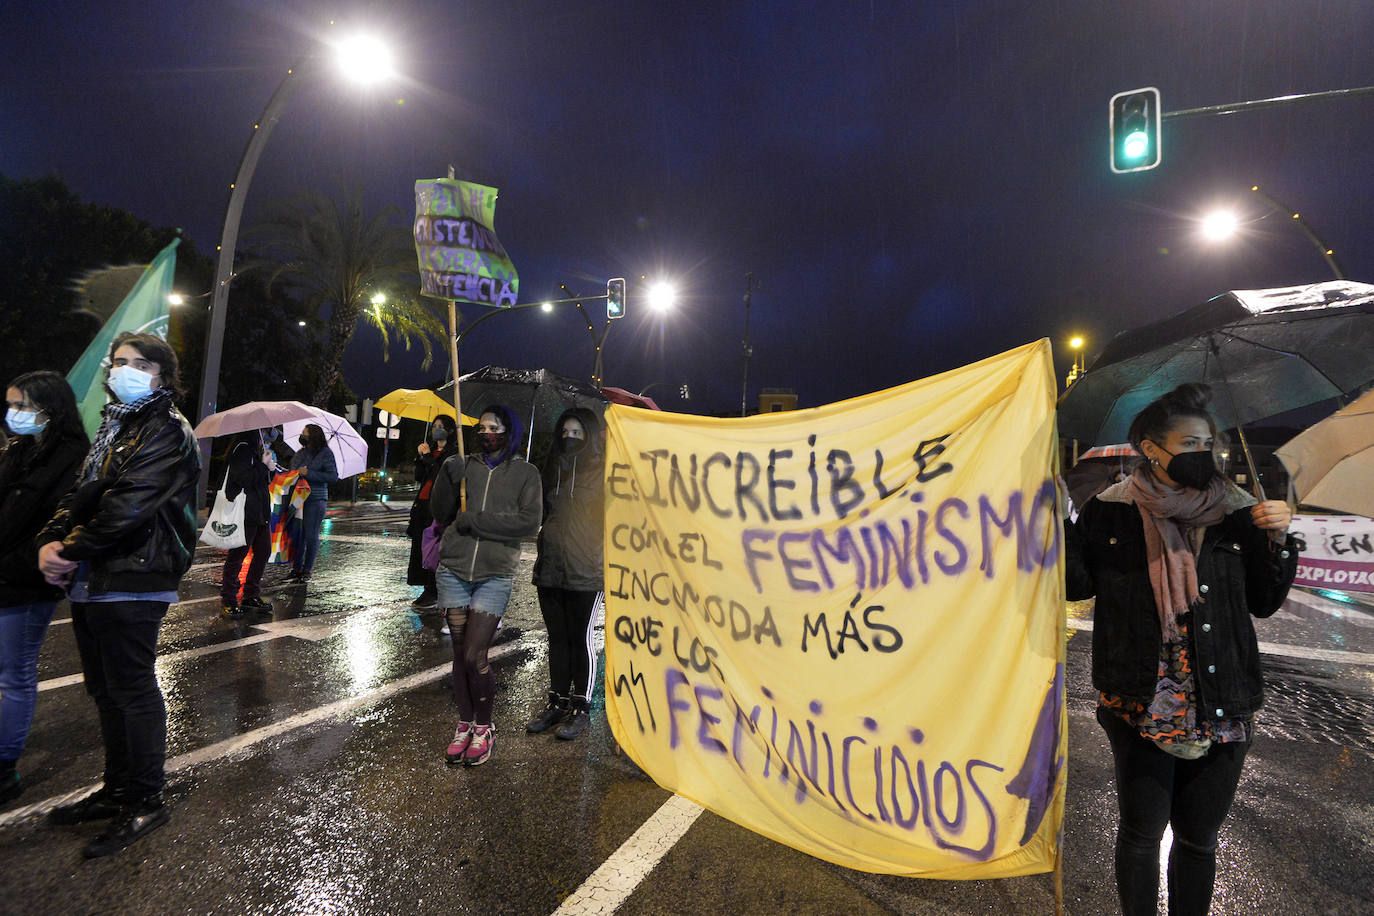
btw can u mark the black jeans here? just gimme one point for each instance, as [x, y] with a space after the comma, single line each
[1154, 790]
[569, 618]
[118, 645]
[260, 542]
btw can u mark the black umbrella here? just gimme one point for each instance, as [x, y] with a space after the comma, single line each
[537, 396]
[1264, 351]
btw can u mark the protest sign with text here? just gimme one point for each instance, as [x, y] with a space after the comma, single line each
[460, 256]
[843, 627]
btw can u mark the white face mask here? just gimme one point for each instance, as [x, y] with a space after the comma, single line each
[24, 422]
[130, 384]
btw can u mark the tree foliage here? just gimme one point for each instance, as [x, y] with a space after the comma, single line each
[333, 258]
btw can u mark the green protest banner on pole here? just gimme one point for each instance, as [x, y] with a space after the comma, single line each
[144, 310]
[460, 257]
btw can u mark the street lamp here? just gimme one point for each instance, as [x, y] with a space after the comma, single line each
[1223, 224]
[358, 58]
[1076, 345]
[662, 296]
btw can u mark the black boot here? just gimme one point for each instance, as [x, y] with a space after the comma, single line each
[132, 823]
[578, 720]
[97, 806]
[10, 785]
[556, 712]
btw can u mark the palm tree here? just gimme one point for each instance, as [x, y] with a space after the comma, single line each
[333, 256]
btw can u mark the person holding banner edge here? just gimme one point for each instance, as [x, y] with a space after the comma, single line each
[36, 469]
[568, 569]
[120, 542]
[1180, 559]
[478, 556]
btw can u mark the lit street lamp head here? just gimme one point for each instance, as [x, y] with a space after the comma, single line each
[662, 296]
[1219, 225]
[364, 59]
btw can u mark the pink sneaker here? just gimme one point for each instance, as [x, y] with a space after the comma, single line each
[479, 748]
[459, 745]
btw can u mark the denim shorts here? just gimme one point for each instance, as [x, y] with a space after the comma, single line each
[490, 596]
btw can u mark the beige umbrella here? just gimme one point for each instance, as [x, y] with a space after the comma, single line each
[1332, 463]
[417, 404]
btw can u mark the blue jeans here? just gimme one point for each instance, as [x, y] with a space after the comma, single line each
[22, 629]
[312, 520]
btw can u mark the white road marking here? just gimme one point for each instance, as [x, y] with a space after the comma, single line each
[231, 747]
[313, 629]
[1275, 648]
[609, 886]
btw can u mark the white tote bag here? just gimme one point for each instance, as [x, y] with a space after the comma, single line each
[224, 527]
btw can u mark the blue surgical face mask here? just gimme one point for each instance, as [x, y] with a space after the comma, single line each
[24, 422]
[130, 384]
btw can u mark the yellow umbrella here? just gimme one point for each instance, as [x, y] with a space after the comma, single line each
[417, 404]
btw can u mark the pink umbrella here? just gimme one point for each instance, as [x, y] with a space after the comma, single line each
[629, 399]
[1124, 450]
[349, 448]
[253, 415]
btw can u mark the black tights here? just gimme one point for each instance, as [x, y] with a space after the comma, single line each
[1154, 790]
[473, 683]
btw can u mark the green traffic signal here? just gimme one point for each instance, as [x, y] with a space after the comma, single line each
[615, 298]
[1133, 119]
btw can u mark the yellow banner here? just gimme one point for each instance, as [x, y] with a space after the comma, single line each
[843, 627]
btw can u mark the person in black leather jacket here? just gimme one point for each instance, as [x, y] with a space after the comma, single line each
[39, 466]
[1180, 559]
[120, 542]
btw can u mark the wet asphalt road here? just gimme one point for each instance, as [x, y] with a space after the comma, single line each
[306, 775]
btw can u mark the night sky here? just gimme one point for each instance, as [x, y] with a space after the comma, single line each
[913, 186]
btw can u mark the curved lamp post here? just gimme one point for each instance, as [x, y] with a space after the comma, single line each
[365, 60]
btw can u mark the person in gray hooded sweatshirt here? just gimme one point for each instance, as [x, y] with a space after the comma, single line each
[568, 571]
[477, 559]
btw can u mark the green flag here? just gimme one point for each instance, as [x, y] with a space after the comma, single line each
[460, 256]
[144, 310]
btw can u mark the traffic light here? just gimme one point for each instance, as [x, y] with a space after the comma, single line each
[1133, 118]
[615, 298]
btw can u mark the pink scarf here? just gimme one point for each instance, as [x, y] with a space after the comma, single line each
[1173, 519]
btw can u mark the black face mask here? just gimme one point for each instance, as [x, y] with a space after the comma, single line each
[572, 445]
[440, 434]
[1191, 469]
[493, 443]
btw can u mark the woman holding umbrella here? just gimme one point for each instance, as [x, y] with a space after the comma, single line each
[477, 561]
[437, 447]
[568, 572]
[1180, 559]
[318, 468]
[36, 469]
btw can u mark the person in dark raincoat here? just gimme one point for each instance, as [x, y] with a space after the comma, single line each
[568, 569]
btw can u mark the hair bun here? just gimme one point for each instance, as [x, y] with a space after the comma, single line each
[1192, 395]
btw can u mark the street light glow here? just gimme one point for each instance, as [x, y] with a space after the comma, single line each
[1219, 225]
[175, 299]
[546, 306]
[1075, 342]
[364, 59]
[662, 296]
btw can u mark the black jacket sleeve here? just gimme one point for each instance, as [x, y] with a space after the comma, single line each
[108, 515]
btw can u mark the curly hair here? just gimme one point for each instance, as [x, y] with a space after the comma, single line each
[1186, 402]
